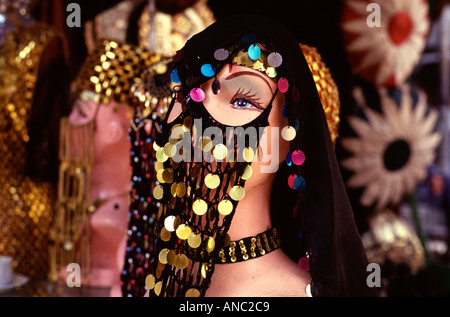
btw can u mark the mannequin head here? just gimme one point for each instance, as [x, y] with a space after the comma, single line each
[103, 98]
[112, 122]
[206, 198]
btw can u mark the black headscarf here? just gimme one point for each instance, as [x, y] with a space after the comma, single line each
[324, 216]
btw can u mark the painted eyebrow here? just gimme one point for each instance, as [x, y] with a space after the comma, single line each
[242, 73]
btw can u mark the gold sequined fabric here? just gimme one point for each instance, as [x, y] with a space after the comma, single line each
[165, 33]
[326, 87]
[391, 239]
[249, 248]
[112, 70]
[261, 64]
[169, 32]
[70, 231]
[26, 205]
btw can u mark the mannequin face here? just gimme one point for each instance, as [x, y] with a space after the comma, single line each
[245, 93]
[111, 124]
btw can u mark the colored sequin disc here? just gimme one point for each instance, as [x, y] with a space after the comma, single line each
[174, 77]
[197, 94]
[254, 52]
[298, 157]
[283, 85]
[221, 54]
[207, 70]
[288, 133]
[275, 59]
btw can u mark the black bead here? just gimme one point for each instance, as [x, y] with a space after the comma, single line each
[215, 87]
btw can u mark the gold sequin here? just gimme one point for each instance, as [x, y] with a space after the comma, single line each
[271, 72]
[162, 257]
[177, 133]
[170, 150]
[181, 190]
[207, 144]
[187, 122]
[181, 261]
[167, 175]
[205, 270]
[192, 292]
[212, 181]
[150, 281]
[248, 171]
[225, 207]
[183, 231]
[156, 147]
[210, 244]
[171, 223]
[194, 240]
[111, 63]
[173, 189]
[237, 193]
[165, 234]
[158, 192]
[200, 207]
[94, 79]
[161, 156]
[170, 257]
[248, 154]
[157, 288]
[220, 152]
[212, 213]
[159, 176]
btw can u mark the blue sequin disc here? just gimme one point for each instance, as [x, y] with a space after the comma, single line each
[289, 158]
[174, 77]
[207, 70]
[299, 183]
[254, 52]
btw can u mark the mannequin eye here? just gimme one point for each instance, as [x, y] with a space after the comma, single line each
[82, 114]
[244, 104]
[245, 101]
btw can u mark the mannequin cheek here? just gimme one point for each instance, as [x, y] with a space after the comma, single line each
[110, 134]
[116, 132]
